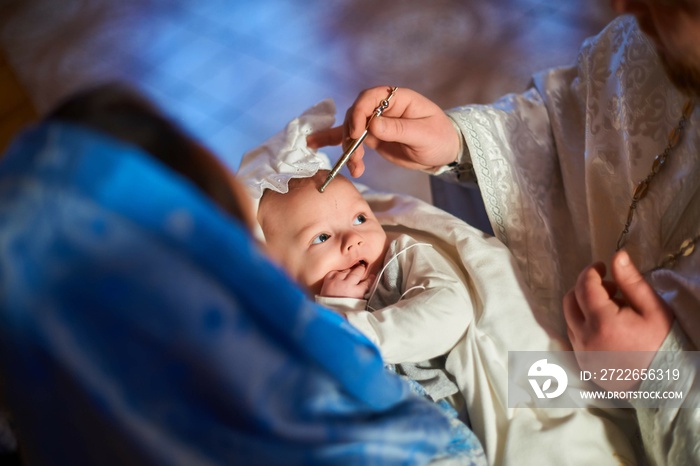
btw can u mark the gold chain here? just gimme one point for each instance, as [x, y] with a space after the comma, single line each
[640, 192]
[686, 249]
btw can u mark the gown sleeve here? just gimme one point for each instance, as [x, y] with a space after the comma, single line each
[432, 314]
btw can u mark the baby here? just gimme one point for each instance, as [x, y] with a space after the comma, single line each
[438, 297]
[400, 291]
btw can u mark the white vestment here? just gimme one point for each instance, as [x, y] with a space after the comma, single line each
[557, 166]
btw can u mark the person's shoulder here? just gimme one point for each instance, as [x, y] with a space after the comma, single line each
[619, 50]
[620, 33]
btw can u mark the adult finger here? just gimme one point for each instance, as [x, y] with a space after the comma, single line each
[573, 338]
[610, 287]
[406, 103]
[325, 137]
[333, 137]
[411, 132]
[356, 164]
[636, 290]
[574, 317]
[360, 111]
[591, 295]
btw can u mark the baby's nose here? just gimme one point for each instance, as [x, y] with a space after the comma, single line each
[353, 241]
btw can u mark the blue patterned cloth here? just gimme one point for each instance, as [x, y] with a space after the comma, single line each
[139, 325]
[464, 446]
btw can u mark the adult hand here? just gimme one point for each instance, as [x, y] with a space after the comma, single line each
[413, 132]
[599, 320]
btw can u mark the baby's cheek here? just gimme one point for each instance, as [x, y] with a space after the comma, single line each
[311, 281]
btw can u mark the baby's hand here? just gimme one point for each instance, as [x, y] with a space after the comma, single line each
[347, 283]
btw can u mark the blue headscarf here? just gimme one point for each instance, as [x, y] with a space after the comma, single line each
[139, 324]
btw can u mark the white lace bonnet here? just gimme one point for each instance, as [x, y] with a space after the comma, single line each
[285, 155]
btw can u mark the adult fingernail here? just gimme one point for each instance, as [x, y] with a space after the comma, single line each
[623, 258]
[379, 125]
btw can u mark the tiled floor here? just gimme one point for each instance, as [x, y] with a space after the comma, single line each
[234, 72]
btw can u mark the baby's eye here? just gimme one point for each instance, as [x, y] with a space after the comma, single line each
[322, 238]
[359, 220]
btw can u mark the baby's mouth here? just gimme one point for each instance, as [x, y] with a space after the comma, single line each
[360, 263]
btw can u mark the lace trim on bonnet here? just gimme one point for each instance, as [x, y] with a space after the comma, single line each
[286, 156]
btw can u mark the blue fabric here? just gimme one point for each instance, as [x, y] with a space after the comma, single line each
[139, 325]
[464, 447]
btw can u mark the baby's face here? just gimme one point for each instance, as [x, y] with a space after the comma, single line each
[312, 233]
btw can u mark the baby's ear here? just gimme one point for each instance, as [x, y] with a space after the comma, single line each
[246, 206]
[257, 231]
[257, 214]
[258, 234]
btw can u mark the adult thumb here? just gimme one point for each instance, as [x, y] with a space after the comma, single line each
[634, 287]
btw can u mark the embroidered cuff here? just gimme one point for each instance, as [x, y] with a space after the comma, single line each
[462, 168]
[671, 355]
